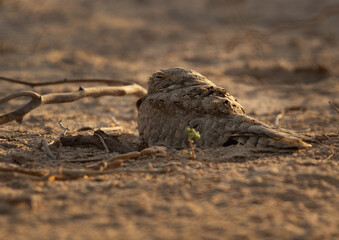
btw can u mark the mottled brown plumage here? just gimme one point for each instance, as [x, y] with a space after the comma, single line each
[180, 97]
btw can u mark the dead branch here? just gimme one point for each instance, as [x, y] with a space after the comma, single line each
[109, 167]
[65, 81]
[83, 129]
[103, 142]
[57, 142]
[54, 98]
[63, 127]
[47, 150]
[123, 157]
[118, 160]
[21, 112]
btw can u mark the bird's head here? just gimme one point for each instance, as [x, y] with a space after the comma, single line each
[175, 78]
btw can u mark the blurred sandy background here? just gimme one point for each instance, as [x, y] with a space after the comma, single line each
[271, 55]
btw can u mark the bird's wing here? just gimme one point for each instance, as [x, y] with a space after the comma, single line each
[198, 99]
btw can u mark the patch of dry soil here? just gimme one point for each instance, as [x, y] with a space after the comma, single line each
[228, 193]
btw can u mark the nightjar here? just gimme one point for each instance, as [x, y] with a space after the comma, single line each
[180, 97]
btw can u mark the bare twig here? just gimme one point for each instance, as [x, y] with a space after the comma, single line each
[123, 157]
[66, 81]
[120, 159]
[103, 142]
[47, 150]
[154, 149]
[334, 106]
[115, 121]
[63, 127]
[277, 119]
[109, 167]
[105, 129]
[57, 140]
[53, 98]
[21, 112]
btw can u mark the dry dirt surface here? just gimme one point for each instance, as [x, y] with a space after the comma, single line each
[275, 56]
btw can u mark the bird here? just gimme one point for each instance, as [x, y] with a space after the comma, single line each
[180, 97]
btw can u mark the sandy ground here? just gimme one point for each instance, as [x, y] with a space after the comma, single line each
[228, 193]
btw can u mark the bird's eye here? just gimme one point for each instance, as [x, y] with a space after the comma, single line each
[159, 76]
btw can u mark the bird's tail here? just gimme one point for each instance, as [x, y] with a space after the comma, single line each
[258, 134]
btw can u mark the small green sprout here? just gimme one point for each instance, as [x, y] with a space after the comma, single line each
[192, 135]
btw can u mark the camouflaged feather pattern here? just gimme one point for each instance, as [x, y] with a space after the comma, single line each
[180, 97]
